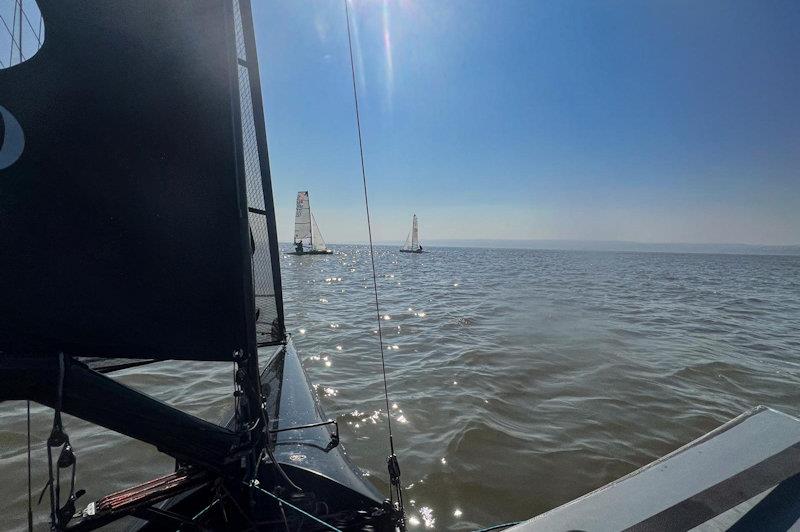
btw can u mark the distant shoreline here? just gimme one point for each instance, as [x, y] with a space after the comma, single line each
[609, 245]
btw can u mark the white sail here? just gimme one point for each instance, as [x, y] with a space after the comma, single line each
[412, 240]
[407, 244]
[318, 243]
[302, 220]
[414, 234]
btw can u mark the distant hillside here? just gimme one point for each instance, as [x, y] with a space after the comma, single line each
[614, 245]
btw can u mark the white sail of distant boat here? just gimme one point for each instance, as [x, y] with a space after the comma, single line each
[307, 236]
[317, 242]
[412, 241]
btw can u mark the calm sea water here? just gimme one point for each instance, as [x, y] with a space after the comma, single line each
[519, 379]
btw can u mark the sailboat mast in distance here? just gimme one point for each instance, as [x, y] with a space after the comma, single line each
[412, 241]
[307, 236]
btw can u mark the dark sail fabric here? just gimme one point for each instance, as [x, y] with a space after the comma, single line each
[123, 221]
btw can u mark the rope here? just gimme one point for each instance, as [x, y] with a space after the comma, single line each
[11, 32]
[394, 468]
[33, 31]
[369, 228]
[30, 499]
[293, 507]
[57, 422]
[204, 510]
[21, 59]
[498, 527]
[278, 467]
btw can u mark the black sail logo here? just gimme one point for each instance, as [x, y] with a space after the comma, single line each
[13, 139]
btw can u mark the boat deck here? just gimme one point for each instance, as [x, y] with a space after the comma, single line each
[745, 475]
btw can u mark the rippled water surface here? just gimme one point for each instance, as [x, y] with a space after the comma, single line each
[519, 379]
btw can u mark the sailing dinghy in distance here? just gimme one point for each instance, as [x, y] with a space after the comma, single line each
[307, 236]
[144, 232]
[412, 241]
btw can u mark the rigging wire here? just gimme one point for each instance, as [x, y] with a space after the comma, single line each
[11, 33]
[30, 498]
[499, 527]
[33, 31]
[20, 31]
[254, 485]
[394, 468]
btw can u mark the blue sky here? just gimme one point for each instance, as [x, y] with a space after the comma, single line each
[651, 121]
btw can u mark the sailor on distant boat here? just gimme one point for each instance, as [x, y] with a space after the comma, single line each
[298, 247]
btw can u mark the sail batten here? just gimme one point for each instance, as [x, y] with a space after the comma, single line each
[123, 220]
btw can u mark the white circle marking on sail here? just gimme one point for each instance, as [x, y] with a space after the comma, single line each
[13, 139]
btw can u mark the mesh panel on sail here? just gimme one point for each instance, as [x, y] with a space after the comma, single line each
[268, 326]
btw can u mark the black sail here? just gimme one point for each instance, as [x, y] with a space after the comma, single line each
[124, 226]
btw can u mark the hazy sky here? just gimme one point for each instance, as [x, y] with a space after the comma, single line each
[653, 121]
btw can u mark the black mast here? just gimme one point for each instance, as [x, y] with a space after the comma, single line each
[253, 176]
[263, 154]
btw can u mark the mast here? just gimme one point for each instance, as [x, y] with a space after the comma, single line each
[414, 234]
[266, 173]
[254, 167]
[246, 385]
[310, 222]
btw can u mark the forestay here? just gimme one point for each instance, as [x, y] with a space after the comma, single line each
[124, 224]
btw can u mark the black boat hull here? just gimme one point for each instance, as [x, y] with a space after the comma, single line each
[314, 252]
[333, 489]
